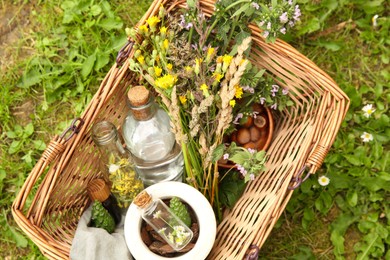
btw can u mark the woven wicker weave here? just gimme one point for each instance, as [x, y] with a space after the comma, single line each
[54, 195]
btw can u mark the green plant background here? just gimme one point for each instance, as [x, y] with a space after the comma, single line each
[63, 49]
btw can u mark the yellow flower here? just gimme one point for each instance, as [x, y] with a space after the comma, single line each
[169, 66]
[219, 59]
[227, 59]
[232, 103]
[141, 59]
[210, 53]
[153, 21]
[198, 61]
[166, 81]
[183, 99]
[239, 91]
[205, 89]
[188, 69]
[143, 29]
[217, 76]
[163, 30]
[166, 44]
[157, 71]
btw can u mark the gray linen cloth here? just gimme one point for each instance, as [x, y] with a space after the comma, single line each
[96, 243]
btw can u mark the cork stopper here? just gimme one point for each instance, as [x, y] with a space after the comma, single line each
[138, 96]
[143, 199]
[98, 190]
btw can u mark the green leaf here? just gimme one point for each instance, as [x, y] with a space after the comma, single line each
[333, 46]
[29, 130]
[39, 145]
[191, 4]
[30, 78]
[102, 59]
[95, 10]
[352, 198]
[88, 66]
[218, 153]
[110, 23]
[14, 147]
[11, 134]
[231, 189]
[353, 160]
[21, 241]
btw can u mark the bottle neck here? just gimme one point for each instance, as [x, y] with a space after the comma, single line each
[105, 136]
[144, 112]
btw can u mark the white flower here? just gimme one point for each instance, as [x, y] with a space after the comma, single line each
[374, 20]
[368, 110]
[367, 137]
[113, 168]
[323, 180]
[157, 214]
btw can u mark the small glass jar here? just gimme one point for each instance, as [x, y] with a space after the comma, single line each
[147, 134]
[118, 165]
[158, 215]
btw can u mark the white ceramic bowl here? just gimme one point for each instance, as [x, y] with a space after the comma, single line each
[201, 207]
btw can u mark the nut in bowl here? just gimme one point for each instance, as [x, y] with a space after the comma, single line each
[252, 131]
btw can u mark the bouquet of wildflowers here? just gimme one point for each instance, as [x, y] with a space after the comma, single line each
[199, 68]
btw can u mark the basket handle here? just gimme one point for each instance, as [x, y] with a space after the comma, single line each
[124, 53]
[56, 146]
[314, 162]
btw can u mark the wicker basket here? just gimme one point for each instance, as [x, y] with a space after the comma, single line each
[54, 195]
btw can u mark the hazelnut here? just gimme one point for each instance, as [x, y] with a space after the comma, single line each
[233, 137]
[255, 133]
[243, 136]
[246, 121]
[260, 121]
[251, 145]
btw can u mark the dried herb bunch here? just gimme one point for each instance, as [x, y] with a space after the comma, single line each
[199, 68]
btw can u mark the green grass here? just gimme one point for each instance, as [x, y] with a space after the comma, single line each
[52, 71]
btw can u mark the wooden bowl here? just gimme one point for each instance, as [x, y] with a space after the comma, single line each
[255, 133]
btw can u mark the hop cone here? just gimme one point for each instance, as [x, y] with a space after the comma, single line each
[102, 218]
[180, 210]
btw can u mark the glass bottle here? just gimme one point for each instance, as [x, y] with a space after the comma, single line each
[118, 165]
[158, 215]
[99, 190]
[147, 134]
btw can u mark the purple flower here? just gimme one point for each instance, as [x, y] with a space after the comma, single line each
[297, 13]
[255, 5]
[194, 46]
[226, 156]
[262, 100]
[274, 106]
[249, 89]
[290, 2]
[269, 26]
[283, 30]
[261, 23]
[283, 18]
[265, 34]
[188, 26]
[255, 113]
[241, 169]
[252, 177]
[291, 23]
[275, 88]
[285, 91]
[238, 117]
[252, 151]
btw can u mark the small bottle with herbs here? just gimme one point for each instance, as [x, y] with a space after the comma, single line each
[118, 165]
[158, 215]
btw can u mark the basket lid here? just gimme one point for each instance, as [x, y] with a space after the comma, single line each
[98, 190]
